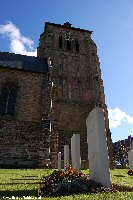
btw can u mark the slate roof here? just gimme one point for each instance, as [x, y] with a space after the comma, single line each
[29, 63]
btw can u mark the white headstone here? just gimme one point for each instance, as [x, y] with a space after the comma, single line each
[75, 151]
[72, 153]
[66, 156]
[131, 146]
[97, 148]
[130, 159]
[59, 161]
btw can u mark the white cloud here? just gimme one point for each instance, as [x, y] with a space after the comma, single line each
[129, 119]
[116, 117]
[19, 44]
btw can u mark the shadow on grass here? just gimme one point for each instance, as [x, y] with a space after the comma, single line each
[121, 188]
[34, 193]
[24, 179]
[29, 176]
[19, 193]
[119, 175]
[20, 183]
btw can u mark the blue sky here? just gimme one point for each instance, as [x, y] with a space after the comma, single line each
[22, 22]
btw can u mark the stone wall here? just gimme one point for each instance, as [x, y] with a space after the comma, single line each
[29, 99]
[77, 79]
[23, 143]
[24, 138]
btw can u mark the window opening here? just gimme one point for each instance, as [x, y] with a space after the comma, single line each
[68, 45]
[8, 99]
[77, 45]
[60, 42]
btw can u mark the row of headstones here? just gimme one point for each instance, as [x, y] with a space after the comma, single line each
[97, 149]
[75, 154]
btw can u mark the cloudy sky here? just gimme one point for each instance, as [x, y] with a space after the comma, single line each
[22, 22]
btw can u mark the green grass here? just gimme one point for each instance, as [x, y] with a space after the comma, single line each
[25, 182]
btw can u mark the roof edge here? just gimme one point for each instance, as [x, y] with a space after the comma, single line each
[22, 69]
[66, 27]
[4, 52]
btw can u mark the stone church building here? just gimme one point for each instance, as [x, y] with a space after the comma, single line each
[44, 100]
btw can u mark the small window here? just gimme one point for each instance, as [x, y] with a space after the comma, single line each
[78, 83]
[60, 42]
[68, 45]
[77, 45]
[8, 99]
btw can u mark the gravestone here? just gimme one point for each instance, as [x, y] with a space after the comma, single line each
[75, 151]
[131, 146]
[59, 161]
[130, 159]
[66, 156]
[97, 148]
[72, 153]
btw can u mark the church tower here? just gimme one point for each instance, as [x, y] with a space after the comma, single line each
[78, 86]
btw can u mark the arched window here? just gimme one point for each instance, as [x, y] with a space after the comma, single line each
[8, 99]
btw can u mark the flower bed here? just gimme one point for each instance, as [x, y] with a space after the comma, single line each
[61, 183]
[130, 172]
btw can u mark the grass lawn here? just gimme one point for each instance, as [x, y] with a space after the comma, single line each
[25, 182]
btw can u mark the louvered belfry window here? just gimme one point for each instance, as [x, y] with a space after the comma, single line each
[8, 99]
[68, 45]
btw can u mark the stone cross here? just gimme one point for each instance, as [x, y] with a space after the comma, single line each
[66, 156]
[59, 161]
[130, 159]
[97, 148]
[75, 151]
